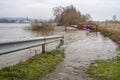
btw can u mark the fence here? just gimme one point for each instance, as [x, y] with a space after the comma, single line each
[15, 45]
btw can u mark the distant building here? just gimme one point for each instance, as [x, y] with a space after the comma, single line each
[15, 20]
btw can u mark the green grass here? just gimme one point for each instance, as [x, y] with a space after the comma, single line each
[105, 70]
[34, 68]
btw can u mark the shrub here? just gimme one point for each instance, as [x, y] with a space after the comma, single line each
[42, 26]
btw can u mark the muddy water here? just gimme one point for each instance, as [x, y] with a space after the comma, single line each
[14, 31]
[81, 48]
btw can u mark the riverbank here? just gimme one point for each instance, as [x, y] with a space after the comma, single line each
[111, 30]
[34, 68]
[107, 69]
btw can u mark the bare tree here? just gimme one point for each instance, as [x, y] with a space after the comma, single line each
[70, 15]
[57, 13]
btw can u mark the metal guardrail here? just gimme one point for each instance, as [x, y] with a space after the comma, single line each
[15, 45]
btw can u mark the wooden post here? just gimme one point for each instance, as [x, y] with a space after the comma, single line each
[43, 48]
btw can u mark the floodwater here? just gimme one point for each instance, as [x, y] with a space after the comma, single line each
[17, 31]
[82, 48]
[14, 31]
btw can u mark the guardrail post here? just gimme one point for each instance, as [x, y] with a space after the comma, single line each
[61, 42]
[43, 48]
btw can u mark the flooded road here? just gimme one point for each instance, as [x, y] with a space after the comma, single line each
[81, 48]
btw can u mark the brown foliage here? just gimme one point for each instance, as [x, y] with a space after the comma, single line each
[42, 26]
[111, 30]
[69, 15]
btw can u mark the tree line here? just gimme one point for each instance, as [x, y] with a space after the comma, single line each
[70, 15]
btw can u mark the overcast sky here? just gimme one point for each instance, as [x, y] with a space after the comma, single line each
[98, 9]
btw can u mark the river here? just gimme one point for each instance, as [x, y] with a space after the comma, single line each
[13, 31]
[20, 31]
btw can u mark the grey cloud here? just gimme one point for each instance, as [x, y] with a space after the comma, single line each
[99, 9]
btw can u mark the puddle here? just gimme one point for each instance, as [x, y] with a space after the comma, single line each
[81, 48]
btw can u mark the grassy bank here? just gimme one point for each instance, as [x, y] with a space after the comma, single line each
[107, 69]
[34, 68]
[111, 30]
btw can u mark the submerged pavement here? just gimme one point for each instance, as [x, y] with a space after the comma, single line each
[81, 48]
